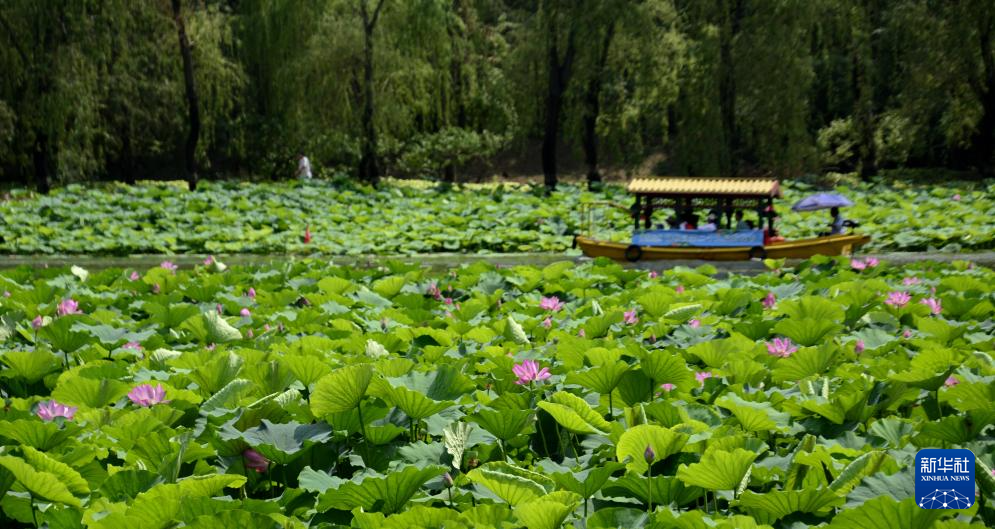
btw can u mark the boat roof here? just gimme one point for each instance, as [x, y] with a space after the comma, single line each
[672, 186]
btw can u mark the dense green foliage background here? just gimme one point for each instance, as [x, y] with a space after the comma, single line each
[307, 395]
[409, 217]
[456, 87]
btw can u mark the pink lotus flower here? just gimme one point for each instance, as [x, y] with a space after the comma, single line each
[49, 410]
[528, 371]
[858, 347]
[898, 299]
[249, 334]
[67, 306]
[266, 327]
[38, 322]
[871, 262]
[552, 304]
[134, 276]
[251, 293]
[910, 281]
[155, 288]
[694, 324]
[548, 322]
[145, 395]
[935, 306]
[168, 265]
[134, 346]
[433, 290]
[907, 333]
[219, 308]
[629, 317]
[702, 376]
[581, 333]
[857, 264]
[653, 274]
[211, 346]
[448, 301]
[956, 197]
[209, 260]
[667, 386]
[781, 347]
[245, 312]
[951, 382]
[679, 289]
[769, 301]
[254, 460]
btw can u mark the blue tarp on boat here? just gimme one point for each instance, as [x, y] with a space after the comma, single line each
[699, 239]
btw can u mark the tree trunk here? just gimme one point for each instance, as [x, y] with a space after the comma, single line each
[733, 15]
[983, 142]
[42, 163]
[559, 76]
[863, 62]
[592, 103]
[193, 106]
[369, 171]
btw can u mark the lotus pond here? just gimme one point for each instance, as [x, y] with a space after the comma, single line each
[412, 217]
[309, 395]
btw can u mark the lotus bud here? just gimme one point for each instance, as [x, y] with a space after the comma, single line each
[649, 455]
[447, 480]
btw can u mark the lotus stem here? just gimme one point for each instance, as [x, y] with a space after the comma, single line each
[649, 489]
[34, 513]
[610, 406]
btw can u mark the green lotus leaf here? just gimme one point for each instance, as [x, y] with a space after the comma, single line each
[503, 424]
[602, 378]
[283, 442]
[341, 390]
[586, 482]
[75, 390]
[574, 414]
[718, 469]
[66, 474]
[813, 308]
[806, 331]
[36, 434]
[512, 484]
[662, 490]
[307, 369]
[633, 443]
[218, 329]
[804, 363]
[769, 507]
[413, 403]
[516, 332]
[665, 367]
[388, 493]
[754, 416]
[548, 512]
[41, 484]
[887, 512]
[31, 366]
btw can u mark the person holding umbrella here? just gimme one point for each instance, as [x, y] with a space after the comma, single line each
[833, 203]
[836, 226]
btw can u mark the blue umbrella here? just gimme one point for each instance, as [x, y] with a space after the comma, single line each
[822, 201]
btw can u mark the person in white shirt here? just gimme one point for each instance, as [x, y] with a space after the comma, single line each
[303, 167]
[710, 223]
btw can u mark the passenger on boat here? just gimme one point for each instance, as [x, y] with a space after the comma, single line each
[709, 224]
[836, 227]
[689, 222]
[740, 223]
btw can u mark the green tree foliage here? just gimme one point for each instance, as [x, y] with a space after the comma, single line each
[429, 88]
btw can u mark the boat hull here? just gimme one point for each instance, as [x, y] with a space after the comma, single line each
[799, 249]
